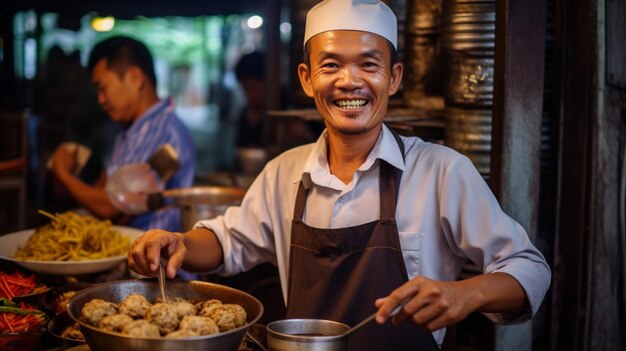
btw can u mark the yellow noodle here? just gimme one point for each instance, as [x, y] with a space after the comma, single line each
[73, 237]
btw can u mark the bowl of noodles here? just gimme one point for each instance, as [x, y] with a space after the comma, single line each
[71, 244]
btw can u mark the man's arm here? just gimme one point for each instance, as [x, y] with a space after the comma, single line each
[196, 250]
[437, 304]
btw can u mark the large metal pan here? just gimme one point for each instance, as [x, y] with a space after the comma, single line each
[116, 291]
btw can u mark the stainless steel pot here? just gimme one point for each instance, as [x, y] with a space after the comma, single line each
[197, 203]
[307, 335]
[116, 291]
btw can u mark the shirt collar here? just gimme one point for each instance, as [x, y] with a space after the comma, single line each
[316, 167]
[150, 114]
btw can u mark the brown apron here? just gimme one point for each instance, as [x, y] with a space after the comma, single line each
[337, 273]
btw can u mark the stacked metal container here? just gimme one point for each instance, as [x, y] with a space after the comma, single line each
[468, 42]
[422, 52]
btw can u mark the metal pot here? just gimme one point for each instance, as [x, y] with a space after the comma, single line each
[198, 203]
[307, 335]
[116, 291]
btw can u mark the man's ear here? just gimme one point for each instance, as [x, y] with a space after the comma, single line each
[135, 76]
[396, 78]
[305, 79]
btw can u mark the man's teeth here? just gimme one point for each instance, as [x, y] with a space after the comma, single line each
[351, 103]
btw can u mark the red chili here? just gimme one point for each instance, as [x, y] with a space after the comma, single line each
[16, 284]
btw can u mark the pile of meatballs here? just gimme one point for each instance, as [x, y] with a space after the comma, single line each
[178, 318]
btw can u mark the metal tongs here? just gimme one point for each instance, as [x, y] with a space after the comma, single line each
[162, 278]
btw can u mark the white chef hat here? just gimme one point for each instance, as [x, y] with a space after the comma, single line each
[363, 15]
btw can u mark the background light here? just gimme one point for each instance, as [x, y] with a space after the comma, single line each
[103, 24]
[255, 21]
[285, 27]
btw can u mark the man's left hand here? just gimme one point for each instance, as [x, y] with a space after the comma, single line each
[431, 304]
[64, 160]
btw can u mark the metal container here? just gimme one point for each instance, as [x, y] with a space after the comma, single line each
[469, 132]
[116, 291]
[307, 335]
[57, 325]
[198, 203]
[422, 52]
[468, 42]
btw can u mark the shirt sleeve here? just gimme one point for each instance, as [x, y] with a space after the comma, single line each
[476, 227]
[242, 252]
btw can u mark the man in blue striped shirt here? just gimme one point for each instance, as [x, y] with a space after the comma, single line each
[122, 71]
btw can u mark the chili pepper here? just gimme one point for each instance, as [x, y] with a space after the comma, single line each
[17, 284]
[19, 318]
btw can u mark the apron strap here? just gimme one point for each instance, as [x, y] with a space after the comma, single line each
[389, 183]
[298, 209]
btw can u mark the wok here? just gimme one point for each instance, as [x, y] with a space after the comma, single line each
[116, 291]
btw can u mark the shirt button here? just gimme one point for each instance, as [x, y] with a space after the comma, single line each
[341, 198]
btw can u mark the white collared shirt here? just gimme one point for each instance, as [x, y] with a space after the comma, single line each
[446, 215]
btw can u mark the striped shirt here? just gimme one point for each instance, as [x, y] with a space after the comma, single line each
[157, 126]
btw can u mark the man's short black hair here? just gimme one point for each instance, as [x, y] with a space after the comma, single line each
[392, 50]
[122, 52]
[251, 66]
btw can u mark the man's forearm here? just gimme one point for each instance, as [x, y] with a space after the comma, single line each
[496, 292]
[204, 251]
[90, 197]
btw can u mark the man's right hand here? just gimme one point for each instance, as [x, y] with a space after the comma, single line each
[145, 254]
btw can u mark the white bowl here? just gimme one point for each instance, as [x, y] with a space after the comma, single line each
[9, 244]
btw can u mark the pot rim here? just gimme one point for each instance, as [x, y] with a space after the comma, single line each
[306, 338]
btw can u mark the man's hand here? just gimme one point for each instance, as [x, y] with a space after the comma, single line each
[145, 254]
[436, 304]
[432, 304]
[64, 160]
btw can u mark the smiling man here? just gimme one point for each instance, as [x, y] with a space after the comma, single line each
[365, 219]
[122, 72]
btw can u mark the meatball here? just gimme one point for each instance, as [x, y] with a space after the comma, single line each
[183, 309]
[96, 309]
[72, 332]
[181, 334]
[141, 328]
[164, 316]
[201, 305]
[199, 325]
[226, 316]
[115, 322]
[134, 305]
[170, 299]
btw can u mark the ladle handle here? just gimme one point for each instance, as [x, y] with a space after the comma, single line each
[363, 322]
[366, 320]
[155, 200]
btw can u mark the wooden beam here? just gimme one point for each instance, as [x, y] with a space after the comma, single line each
[516, 126]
